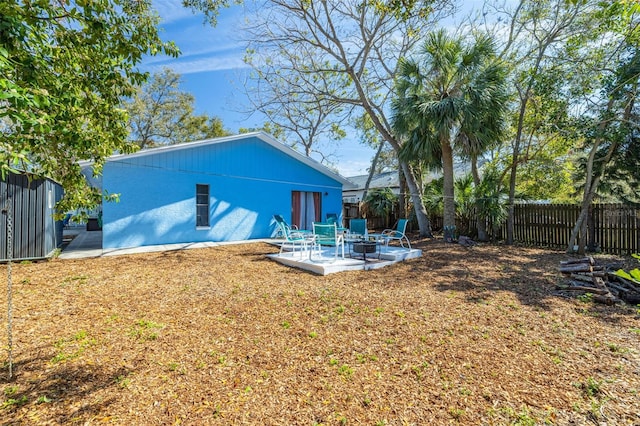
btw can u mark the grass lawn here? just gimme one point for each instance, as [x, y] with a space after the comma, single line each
[226, 336]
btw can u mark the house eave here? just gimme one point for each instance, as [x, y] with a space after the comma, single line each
[268, 139]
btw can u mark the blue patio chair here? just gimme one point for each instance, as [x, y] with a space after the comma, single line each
[293, 238]
[325, 234]
[282, 224]
[358, 227]
[332, 218]
[398, 234]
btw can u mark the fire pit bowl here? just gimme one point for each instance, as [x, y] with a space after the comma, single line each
[364, 247]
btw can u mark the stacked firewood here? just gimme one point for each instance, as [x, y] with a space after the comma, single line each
[585, 276]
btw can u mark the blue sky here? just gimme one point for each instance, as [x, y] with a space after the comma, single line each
[212, 71]
[211, 61]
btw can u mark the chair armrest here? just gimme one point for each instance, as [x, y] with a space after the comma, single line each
[298, 234]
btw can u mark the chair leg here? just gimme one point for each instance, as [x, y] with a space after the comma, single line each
[408, 242]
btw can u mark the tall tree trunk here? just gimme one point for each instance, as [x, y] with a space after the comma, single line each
[591, 182]
[449, 215]
[412, 185]
[416, 199]
[514, 161]
[481, 222]
[525, 94]
[402, 199]
[372, 170]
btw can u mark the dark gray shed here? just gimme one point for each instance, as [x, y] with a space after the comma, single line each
[31, 204]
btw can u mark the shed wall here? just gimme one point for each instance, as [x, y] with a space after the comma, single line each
[35, 233]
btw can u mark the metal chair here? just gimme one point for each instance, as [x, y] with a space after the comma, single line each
[332, 218]
[397, 234]
[325, 234]
[358, 227]
[293, 238]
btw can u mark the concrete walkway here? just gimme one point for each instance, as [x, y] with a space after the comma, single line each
[84, 244]
[88, 244]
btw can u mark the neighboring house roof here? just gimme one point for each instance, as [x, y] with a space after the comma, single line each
[270, 140]
[380, 180]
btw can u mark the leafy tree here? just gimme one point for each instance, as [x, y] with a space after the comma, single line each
[305, 119]
[341, 53]
[64, 69]
[384, 158]
[161, 114]
[452, 96]
[210, 8]
[202, 127]
[611, 136]
[269, 128]
[380, 202]
[537, 33]
[491, 199]
[465, 203]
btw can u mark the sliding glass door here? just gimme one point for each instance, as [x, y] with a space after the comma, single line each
[305, 208]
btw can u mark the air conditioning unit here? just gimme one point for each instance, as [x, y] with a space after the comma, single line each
[350, 200]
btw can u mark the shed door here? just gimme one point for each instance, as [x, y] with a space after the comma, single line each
[305, 208]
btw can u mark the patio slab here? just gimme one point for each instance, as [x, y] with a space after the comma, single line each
[325, 263]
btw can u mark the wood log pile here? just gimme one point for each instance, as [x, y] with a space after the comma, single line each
[585, 276]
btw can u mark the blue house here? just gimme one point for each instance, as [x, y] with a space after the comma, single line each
[224, 189]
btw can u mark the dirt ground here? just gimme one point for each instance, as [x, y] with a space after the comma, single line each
[226, 336]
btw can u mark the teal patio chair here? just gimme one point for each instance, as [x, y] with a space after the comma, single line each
[358, 227]
[398, 234]
[293, 238]
[332, 218]
[325, 234]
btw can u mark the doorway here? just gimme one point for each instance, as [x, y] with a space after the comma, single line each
[305, 208]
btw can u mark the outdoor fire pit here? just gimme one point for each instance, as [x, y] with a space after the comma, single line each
[364, 247]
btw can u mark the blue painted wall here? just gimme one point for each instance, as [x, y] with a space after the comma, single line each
[249, 180]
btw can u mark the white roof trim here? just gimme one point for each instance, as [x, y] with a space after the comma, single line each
[260, 135]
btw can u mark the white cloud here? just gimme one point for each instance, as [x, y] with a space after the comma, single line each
[190, 66]
[203, 47]
[171, 10]
[196, 40]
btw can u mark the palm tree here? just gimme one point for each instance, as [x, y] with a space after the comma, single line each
[451, 97]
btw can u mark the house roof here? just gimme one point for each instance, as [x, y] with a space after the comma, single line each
[268, 139]
[380, 180]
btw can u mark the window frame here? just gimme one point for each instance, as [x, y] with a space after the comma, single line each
[200, 206]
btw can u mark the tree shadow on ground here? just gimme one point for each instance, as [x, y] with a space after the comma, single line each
[531, 274]
[58, 395]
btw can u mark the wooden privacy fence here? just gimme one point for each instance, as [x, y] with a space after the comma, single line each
[612, 228]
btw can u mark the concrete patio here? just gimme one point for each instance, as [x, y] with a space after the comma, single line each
[325, 262]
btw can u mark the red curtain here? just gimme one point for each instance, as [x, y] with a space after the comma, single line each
[296, 203]
[306, 207]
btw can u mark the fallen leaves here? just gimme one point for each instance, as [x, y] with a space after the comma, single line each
[226, 336]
